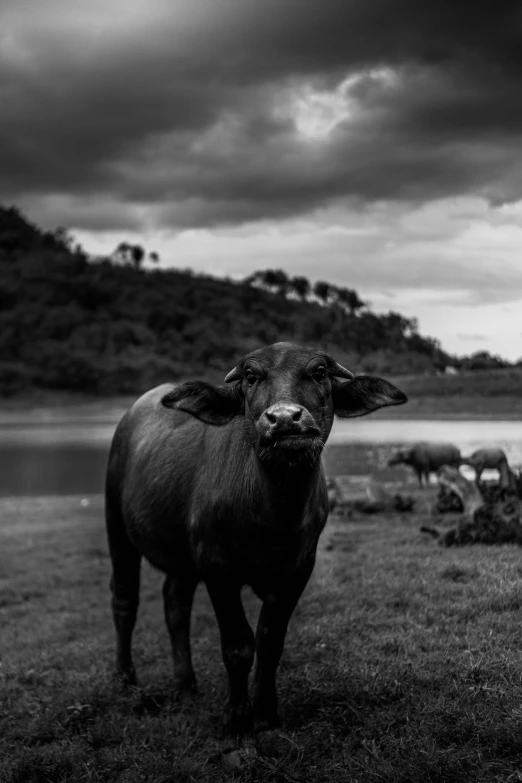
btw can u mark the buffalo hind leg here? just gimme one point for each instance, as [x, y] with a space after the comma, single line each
[238, 648]
[178, 594]
[270, 639]
[125, 588]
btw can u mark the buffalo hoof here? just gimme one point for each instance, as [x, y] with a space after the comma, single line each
[265, 718]
[184, 690]
[276, 745]
[127, 677]
[266, 723]
[237, 719]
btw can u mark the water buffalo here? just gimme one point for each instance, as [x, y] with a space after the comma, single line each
[224, 484]
[489, 458]
[426, 458]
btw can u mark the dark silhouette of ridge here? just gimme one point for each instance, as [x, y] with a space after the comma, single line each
[68, 321]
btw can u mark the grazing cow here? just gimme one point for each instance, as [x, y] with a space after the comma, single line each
[494, 459]
[426, 458]
[225, 485]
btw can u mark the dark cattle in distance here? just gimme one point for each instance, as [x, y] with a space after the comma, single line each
[224, 484]
[488, 459]
[426, 458]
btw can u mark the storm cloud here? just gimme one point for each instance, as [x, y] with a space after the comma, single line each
[219, 112]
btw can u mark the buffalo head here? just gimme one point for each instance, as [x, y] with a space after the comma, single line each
[288, 396]
[398, 458]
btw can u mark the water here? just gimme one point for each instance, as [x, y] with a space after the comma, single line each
[45, 453]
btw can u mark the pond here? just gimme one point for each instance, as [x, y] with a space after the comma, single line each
[60, 453]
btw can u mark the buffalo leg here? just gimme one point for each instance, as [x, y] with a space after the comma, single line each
[238, 648]
[178, 594]
[125, 588]
[270, 638]
[418, 471]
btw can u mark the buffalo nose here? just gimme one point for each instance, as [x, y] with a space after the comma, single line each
[283, 414]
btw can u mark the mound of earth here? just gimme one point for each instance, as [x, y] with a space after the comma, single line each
[377, 499]
[491, 514]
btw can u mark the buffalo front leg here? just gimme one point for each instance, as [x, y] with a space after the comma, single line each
[178, 593]
[237, 646]
[125, 588]
[270, 638]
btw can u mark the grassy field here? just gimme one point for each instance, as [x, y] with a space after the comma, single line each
[457, 407]
[403, 663]
[484, 394]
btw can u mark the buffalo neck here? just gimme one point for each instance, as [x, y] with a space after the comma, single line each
[278, 487]
[288, 486]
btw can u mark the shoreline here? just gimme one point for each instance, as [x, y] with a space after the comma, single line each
[62, 408]
[45, 415]
[451, 416]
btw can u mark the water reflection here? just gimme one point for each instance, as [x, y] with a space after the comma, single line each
[59, 469]
[68, 455]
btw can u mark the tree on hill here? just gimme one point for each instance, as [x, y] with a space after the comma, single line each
[322, 291]
[125, 253]
[273, 280]
[301, 287]
[345, 298]
[483, 360]
[349, 300]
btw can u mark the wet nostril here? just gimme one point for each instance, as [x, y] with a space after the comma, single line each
[297, 415]
[271, 418]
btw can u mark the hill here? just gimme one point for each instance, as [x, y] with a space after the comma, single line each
[109, 326]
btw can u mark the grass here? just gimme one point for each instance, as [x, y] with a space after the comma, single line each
[479, 383]
[444, 407]
[402, 663]
[482, 394]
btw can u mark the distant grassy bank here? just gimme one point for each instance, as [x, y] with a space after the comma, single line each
[488, 394]
[482, 394]
[402, 663]
[503, 408]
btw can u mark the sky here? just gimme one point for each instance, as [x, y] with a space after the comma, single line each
[374, 144]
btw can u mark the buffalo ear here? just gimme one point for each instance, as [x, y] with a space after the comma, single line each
[363, 395]
[212, 404]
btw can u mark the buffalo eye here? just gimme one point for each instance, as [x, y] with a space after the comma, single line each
[319, 374]
[250, 377]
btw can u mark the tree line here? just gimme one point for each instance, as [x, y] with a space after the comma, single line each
[277, 281]
[114, 325]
